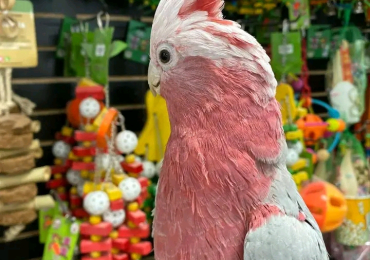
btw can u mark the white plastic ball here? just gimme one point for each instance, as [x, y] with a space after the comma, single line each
[297, 146]
[96, 203]
[130, 188]
[73, 177]
[116, 217]
[148, 169]
[158, 167]
[89, 108]
[291, 157]
[126, 141]
[138, 159]
[61, 149]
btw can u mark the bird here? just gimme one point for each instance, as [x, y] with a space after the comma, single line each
[224, 191]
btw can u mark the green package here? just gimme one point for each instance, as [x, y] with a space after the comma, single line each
[299, 9]
[138, 37]
[46, 217]
[62, 239]
[64, 36]
[286, 53]
[318, 41]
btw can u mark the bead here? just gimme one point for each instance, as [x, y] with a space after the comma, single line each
[116, 218]
[67, 131]
[87, 159]
[73, 177]
[323, 155]
[95, 238]
[134, 240]
[130, 224]
[115, 251]
[58, 161]
[135, 256]
[86, 144]
[95, 254]
[126, 141]
[61, 149]
[89, 107]
[96, 202]
[73, 191]
[61, 190]
[84, 174]
[58, 176]
[133, 206]
[149, 170]
[130, 188]
[90, 128]
[130, 158]
[94, 220]
[113, 234]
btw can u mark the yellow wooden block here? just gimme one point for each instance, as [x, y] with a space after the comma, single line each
[300, 164]
[90, 186]
[95, 238]
[285, 96]
[293, 135]
[130, 158]
[86, 144]
[58, 176]
[84, 174]
[134, 240]
[133, 206]
[67, 131]
[301, 112]
[87, 159]
[99, 118]
[90, 128]
[58, 161]
[112, 191]
[94, 220]
[117, 178]
[95, 254]
[133, 175]
[73, 191]
[113, 234]
[114, 251]
[131, 224]
[85, 82]
[135, 256]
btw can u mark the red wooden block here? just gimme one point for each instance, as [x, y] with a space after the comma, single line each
[53, 184]
[82, 136]
[141, 248]
[120, 243]
[122, 256]
[80, 166]
[135, 167]
[68, 163]
[136, 217]
[58, 169]
[96, 92]
[83, 151]
[63, 196]
[101, 229]
[142, 231]
[75, 200]
[117, 204]
[144, 182]
[80, 213]
[66, 139]
[106, 256]
[88, 246]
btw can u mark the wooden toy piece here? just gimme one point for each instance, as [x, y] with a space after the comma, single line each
[141, 231]
[75, 200]
[117, 204]
[80, 166]
[313, 128]
[101, 229]
[113, 192]
[66, 139]
[135, 167]
[81, 136]
[39, 202]
[56, 183]
[67, 131]
[55, 169]
[96, 92]
[117, 178]
[88, 246]
[121, 243]
[84, 151]
[104, 130]
[90, 186]
[136, 217]
[41, 174]
[121, 256]
[293, 135]
[144, 182]
[300, 164]
[141, 248]
[80, 213]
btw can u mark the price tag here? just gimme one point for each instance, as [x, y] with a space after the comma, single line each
[100, 50]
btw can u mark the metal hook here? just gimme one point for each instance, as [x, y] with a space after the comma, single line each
[100, 20]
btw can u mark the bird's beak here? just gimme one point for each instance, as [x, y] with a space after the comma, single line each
[154, 79]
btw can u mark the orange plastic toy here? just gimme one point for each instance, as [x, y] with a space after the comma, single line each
[104, 130]
[313, 128]
[326, 203]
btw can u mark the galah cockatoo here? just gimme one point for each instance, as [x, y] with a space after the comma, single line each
[224, 192]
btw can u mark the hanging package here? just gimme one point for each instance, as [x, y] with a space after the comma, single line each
[138, 37]
[318, 41]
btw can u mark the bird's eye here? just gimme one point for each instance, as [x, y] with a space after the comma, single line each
[165, 56]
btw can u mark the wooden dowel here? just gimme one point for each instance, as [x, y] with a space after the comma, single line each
[40, 202]
[41, 174]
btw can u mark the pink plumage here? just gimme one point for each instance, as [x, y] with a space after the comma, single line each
[223, 183]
